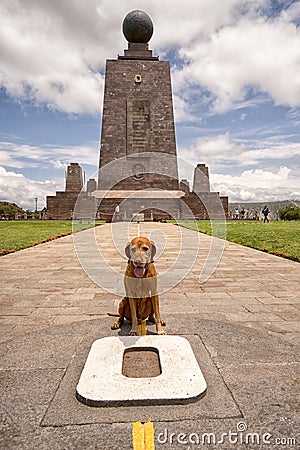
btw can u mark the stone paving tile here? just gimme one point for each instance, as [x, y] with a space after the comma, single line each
[98, 309]
[4, 331]
[224, 309]
[208, 295]
[63, 302]
[208, 300]
[41, 312]
[177, 309]
[246, 316]
[245, 295]
[170, 297]
[217, 316]
[286, 291]
[32, 301]
[284, 327]
[6, 304]
[11, 320]
[289, 315]
[290, 300]
[275, 385]
[62, 320]
[25, 328]
[271, 329]
[93, 289]
[291, 337]
[277, 308]
[16, 311]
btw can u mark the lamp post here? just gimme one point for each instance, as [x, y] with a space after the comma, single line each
[36, 201]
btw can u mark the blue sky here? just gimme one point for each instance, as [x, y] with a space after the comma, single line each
[235, 72]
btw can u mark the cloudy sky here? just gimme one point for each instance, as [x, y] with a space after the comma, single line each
[236, 83]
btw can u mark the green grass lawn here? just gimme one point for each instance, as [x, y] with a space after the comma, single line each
[280, 238]
[15, 235]
[276, 237]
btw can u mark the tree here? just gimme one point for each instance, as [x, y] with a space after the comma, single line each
[9, 209]
[289, 212]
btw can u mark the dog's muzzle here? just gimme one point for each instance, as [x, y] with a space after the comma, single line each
[139, 272]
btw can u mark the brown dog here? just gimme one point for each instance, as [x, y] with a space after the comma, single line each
[140, 281]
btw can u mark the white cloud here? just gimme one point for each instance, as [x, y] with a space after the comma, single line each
[292, 13]
[29, 156]
[223, 151]
[16, 188]
[258, 185]
[49, 53]
[215, 151]
[178, 23]
[273, 151]
[181, 110]
[52, 51]
[260, 53]
[273, 181]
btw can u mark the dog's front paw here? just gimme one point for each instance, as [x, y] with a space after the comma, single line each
[115, 326]
[161, 332]
[133, 332]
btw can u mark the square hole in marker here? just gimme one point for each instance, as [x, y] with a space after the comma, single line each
[141, 362]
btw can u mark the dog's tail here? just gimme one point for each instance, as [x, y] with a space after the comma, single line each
[113, 314]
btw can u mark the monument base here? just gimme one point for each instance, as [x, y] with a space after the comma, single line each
[179, 379]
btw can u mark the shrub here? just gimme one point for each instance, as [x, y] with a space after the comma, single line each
[289, 212]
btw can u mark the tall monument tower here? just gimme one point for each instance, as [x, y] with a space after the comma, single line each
[138, 170]
[138, 113]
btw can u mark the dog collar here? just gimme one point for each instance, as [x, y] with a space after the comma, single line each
[147, 264]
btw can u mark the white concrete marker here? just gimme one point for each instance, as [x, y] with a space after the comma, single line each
[102, 383]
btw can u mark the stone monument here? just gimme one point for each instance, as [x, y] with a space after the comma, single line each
[138, 168]
[138, 111]
[61, 205]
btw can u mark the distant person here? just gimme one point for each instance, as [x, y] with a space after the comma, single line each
[242, 214]
[265, 212]
[236, 213]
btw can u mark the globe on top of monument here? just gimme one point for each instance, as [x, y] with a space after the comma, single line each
[137, 27]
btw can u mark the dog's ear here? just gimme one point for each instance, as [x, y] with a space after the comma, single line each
[127, 250]
[153, 249]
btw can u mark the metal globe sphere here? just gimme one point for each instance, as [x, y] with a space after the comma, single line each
[137, 27]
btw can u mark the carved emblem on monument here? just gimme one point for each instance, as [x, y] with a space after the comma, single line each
[138, 171]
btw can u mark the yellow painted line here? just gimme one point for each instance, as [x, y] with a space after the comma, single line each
[138, 436]
[143, 436]
[142, 328]
[138, 224]
[149, 436]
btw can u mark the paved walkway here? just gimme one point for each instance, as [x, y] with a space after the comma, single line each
[243, 325]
